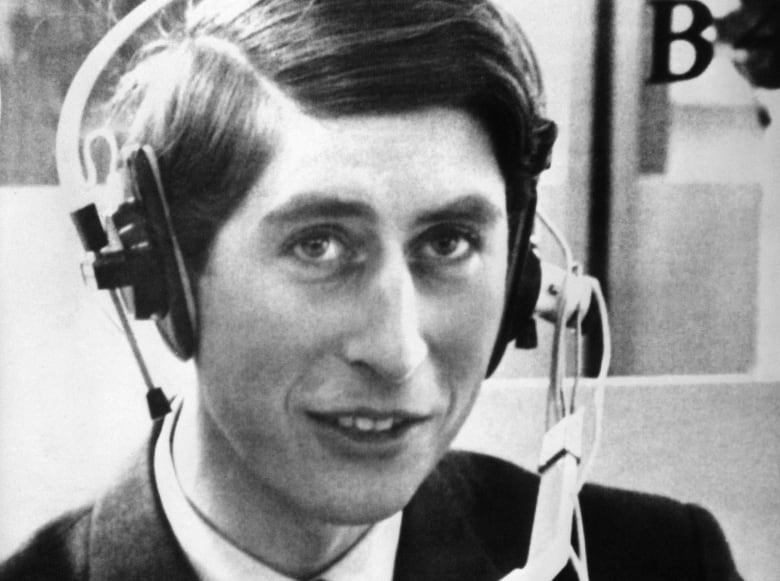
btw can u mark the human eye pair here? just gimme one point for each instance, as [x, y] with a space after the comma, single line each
[331, 248]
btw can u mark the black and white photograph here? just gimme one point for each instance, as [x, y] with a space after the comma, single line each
[389, 290]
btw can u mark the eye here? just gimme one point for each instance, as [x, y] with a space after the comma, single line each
[453, 246]
[449, 243]
[319, 248]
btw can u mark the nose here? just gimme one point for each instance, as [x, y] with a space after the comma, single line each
[387, 337]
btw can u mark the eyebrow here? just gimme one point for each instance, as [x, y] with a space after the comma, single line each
[471, 207]
[314, 205]
[309, 206]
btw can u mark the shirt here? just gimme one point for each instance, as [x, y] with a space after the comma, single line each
[215, 558]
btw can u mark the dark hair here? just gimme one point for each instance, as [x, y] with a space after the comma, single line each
[203, 97]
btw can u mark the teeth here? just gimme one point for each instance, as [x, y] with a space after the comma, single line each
[366, 424]
[381, 425]
[346, 421]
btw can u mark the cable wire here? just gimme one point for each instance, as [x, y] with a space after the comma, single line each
[556, 400]
[600, 385]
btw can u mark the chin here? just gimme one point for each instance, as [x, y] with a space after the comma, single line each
[362, 501]
[369, 508]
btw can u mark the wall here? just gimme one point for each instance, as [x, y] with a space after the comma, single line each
[710, 440]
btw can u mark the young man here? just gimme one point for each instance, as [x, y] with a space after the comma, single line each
[347, 182]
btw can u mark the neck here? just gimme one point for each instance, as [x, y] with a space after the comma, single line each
[235, 502]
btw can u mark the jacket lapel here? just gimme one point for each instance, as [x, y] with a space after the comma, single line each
[130, 538]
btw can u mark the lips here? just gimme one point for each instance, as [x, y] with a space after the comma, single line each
[369, 424]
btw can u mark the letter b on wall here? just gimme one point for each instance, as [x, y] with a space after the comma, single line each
[664, 36]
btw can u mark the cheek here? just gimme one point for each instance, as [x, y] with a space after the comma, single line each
[257, 336]
[240, 339]
[249, 363]
[474, 316]
[466, 338]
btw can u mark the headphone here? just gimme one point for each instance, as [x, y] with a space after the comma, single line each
[135, 251]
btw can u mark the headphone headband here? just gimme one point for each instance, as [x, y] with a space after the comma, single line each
[68, 141]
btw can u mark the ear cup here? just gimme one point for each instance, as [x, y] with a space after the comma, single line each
[524, 268]
[141, 283]
[176, 318]
[523, 284]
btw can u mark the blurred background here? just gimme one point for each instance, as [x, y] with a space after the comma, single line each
[668, 193]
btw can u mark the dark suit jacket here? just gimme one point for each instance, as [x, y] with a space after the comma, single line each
[469, 521]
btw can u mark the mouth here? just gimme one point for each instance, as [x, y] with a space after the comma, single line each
[368, 426]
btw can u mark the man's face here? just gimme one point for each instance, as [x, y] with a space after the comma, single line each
[349, 307]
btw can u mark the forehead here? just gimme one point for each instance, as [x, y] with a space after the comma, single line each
[394, 164]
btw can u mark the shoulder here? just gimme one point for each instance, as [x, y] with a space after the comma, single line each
[470, 519]
[486, 485]
[495, 496]
[58, 551]
[122, 535]
[652, 533]
[473, 504]
[628, 534]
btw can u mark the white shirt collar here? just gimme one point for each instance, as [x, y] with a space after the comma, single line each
[214, 558]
